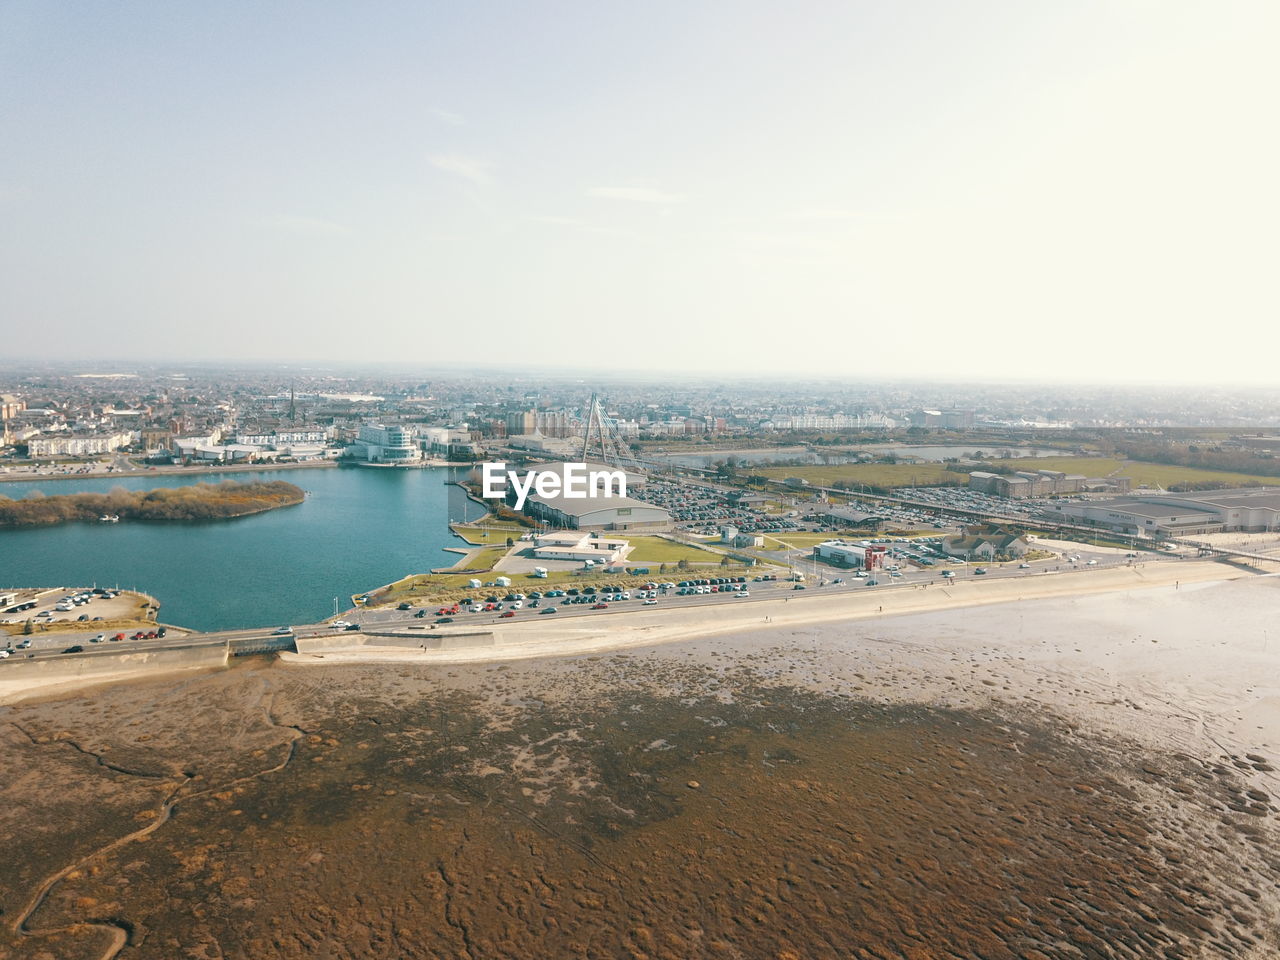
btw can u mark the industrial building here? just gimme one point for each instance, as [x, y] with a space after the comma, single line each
[849, 517]
[1251, 510]
[731, 536]
[1027, 483]
[595, 511]
[843, 553]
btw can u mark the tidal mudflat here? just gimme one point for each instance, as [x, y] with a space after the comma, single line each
[787, 796]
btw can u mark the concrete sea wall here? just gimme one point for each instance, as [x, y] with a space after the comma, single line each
[22, 679]
[425, 640]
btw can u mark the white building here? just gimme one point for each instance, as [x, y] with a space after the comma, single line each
[378, 443]
[1253, 509]
[585, 547]
[595, 511]
[282, 438]
[77, 446]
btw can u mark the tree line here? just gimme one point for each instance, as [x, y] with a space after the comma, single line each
[201, 501]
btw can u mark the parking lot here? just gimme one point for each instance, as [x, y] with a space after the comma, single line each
[76, 612]
[504, 605]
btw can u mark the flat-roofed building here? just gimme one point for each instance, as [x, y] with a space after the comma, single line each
[1026, 483]
[584, 547]
[383, 443]
[72, 445]
[845, 553]
[1152, 518]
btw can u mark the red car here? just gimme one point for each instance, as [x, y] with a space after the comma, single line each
[509, 613]
[600, 606]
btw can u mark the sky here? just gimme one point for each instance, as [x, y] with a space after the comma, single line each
[1013, 189]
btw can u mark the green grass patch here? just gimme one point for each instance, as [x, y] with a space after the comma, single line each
[932, 474]
[488, 534]
[1139, 472]
[662, 550]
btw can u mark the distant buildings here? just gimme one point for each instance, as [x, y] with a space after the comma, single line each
[1026, 483]
[10, 407]
[1253, 510]
[72, 445]
[944, 419]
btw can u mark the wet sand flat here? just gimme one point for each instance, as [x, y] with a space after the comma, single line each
[917, 787]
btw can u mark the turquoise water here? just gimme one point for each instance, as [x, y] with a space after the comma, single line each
[358, 529]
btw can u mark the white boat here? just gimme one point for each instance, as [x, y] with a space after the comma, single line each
[109, 518]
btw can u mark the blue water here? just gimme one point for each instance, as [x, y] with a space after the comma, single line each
[358, 529]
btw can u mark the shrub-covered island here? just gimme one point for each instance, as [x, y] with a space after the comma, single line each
[201, 501]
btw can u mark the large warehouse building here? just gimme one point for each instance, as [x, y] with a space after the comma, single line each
[597, 511]
[1250, 510]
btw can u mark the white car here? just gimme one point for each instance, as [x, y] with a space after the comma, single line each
[742, 595]
[4, 654]
[1091, 563]
[517, 604]
[650, 602]
[339, 625]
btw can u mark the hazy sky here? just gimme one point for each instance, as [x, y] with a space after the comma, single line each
[894, 188]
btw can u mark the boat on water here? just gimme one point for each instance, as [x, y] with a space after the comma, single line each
[109, 518]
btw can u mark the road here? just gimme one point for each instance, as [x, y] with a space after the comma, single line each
[912, 577]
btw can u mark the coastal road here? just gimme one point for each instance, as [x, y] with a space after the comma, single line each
[54, 645]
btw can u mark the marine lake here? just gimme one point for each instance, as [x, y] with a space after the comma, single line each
[356, 530]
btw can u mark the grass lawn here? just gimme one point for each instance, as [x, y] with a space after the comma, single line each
[479, 536]
[876, 474]
[932, 474]
[661, 550]
[1139, 472]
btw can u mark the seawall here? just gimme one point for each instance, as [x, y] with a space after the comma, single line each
[425, 640]
[22, 679]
